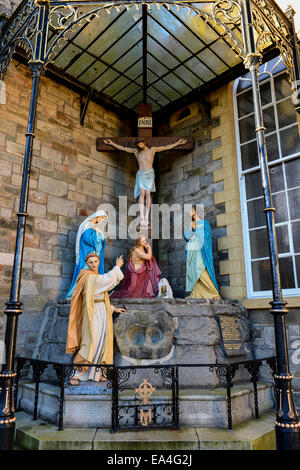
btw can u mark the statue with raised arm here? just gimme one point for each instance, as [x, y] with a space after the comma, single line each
[145, 182]
[90, 329]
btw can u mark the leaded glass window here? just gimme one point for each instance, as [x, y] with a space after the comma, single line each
[283, 146]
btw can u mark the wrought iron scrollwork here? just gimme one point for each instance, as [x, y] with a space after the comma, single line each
[166, 375]
[64, 373]
[272, 15]
[124, 375]
[22, 33]
[37, 369]
[228, 11]
[253, 369]
[224, 16]
[273, 27]
[225, 373]
[107, 372]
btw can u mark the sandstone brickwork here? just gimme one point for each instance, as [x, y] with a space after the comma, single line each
[69, 179]
[189, 179]
[7, 7]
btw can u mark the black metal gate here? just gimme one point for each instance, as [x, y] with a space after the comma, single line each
[145, 408]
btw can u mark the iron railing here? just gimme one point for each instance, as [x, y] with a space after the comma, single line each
[117, 376]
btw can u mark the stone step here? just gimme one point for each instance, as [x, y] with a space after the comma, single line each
[90, 405]
[251, 435]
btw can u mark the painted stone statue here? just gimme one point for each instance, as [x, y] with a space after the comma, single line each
[142, 273]
[90, 328]
[200, 273]
[90, 239]
[144, 183]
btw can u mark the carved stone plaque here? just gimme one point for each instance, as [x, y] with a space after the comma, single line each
[231, 339]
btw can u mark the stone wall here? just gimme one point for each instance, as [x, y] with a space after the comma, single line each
[262, 340]
[7, 7]
[69, 179]
[188, 178]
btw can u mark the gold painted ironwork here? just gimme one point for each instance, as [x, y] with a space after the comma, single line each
[290, 412]
[6, 409]
[224, 16]
[145, 417]
[280, 412]
[145, 391]
[288, 426]
[272, 26]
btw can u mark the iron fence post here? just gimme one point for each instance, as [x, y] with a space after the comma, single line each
[114, 399]
[286, 424]
[175, 396]
[61, 398]
[14, 306]
[253, 368]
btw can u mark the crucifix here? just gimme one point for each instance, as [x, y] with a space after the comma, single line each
[144, 148]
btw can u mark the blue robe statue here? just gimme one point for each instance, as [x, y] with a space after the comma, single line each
[88, 241]
[199, 254]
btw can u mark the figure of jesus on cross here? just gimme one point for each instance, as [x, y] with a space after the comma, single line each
[145, 181]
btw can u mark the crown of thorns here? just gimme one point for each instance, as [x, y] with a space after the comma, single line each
[138, 141]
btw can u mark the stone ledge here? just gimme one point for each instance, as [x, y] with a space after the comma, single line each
[251, 435]
[197, 407]
[155, 300]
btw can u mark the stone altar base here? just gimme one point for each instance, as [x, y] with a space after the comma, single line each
[90, 405]
[158, 331]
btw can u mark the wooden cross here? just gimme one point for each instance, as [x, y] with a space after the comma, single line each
[144, 130]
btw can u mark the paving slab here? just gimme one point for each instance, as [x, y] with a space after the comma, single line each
[152, 439]
[251, 435]
[39, 435]
[256, 434]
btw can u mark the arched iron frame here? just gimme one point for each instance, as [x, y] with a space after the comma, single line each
[262, 23]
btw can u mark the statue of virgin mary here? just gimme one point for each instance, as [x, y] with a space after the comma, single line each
[90, 239]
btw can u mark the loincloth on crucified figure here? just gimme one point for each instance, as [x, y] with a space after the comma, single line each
[144, 180]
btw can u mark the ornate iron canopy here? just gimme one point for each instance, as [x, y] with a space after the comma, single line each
[161, 51]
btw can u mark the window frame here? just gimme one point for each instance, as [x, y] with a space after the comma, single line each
[251, 293]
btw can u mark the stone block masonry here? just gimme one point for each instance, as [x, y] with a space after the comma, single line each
[68, 178]
[226, 180]
[189, 179]
[263, 342]
[7, 7]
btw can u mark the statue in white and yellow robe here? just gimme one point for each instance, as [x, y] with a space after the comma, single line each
[90, 329]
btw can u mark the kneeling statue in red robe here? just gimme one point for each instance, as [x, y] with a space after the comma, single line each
[142, 273]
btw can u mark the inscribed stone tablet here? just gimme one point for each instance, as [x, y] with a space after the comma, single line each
[232, 342]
